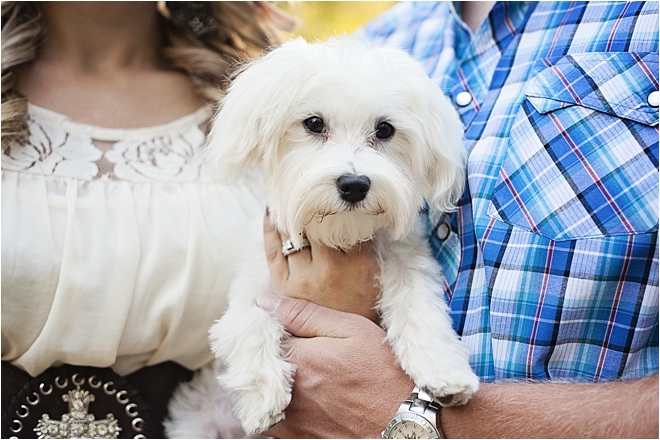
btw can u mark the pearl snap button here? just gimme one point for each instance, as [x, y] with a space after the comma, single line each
[463, 99]
[443, 231]
[654, 99]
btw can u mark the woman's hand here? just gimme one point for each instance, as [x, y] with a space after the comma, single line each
[343, 281]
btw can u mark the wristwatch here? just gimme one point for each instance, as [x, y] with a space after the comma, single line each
[416, 418]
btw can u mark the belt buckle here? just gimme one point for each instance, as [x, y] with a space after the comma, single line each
[78, 402]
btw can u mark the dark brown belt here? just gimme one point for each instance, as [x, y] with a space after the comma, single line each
[85, 402]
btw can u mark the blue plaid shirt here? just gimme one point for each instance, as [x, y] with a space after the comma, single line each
[552, 257]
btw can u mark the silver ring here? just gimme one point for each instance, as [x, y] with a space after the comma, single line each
[92, 383]
[57, 382]
[25, 414]
[20, 426]
[137, 424]
[43, 390]
[131, 410]
[75, 380]
[288, 248]
[35, 401]
[119, 397]
[106, 386]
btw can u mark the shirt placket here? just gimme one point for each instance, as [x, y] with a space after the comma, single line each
[465, 86]
[470, 83]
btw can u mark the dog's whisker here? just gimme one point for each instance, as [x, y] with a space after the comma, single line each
[310, 220]
[322, 214]
[378, 210]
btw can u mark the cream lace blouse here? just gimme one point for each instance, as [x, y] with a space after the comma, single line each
[117, 244]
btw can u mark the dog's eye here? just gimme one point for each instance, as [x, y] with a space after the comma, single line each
[314, 124]
[384, 130]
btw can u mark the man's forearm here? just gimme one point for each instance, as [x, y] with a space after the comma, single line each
[552, 410]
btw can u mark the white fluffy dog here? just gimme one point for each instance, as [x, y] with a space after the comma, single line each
[351, 141]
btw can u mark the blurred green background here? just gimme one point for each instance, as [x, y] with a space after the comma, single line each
[321, 20]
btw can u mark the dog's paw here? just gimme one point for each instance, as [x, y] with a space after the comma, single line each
[447, 378]
[256, 417]
[456, 388]
[260, 396]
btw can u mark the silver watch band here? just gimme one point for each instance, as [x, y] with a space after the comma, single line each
[423, 403]
[418, 404]
[420, 401]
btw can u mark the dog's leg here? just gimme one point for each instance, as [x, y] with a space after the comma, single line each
[248, 342]
[202, 409]
[419, 329]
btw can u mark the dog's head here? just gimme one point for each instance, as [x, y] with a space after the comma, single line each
[350, 139]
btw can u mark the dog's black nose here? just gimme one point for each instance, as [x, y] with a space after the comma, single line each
[353, 188]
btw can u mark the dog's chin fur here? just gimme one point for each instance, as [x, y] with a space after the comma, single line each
[352, 88]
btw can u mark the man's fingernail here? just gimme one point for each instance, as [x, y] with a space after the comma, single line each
[269, 302]
[267, 212]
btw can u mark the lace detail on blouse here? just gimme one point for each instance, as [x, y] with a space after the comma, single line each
[60, 147]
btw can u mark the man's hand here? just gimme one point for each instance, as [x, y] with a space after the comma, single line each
[342, 281]
[347, 384]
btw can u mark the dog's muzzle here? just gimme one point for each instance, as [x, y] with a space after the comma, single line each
[288, 248]
[352, 188]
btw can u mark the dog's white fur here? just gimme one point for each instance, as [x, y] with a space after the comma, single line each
[352, 87]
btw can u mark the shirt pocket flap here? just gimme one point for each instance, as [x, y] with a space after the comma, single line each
[579, 163]
[615, 83]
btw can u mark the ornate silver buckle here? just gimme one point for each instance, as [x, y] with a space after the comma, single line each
[39, 408]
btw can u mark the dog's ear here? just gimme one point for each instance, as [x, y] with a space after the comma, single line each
[252, 116]
[442, 132]
[446, 177]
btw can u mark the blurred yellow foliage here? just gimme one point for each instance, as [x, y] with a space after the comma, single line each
[321, 20]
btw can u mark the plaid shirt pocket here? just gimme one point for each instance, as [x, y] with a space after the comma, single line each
[582, 157]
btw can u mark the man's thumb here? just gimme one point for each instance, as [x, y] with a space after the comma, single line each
[305, 319]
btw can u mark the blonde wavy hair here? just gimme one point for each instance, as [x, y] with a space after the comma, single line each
[246, 29]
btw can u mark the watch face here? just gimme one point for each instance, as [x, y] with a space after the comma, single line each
[409, 429]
